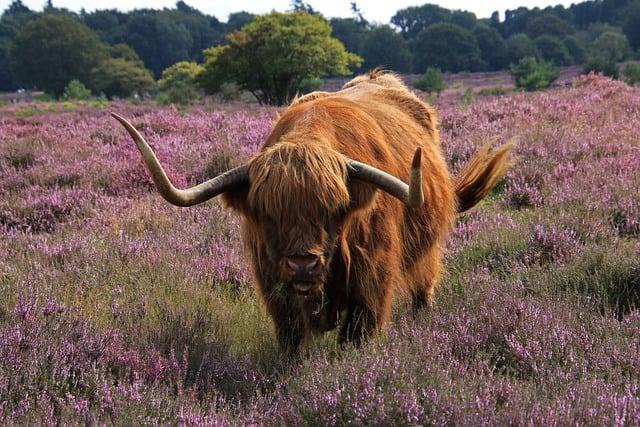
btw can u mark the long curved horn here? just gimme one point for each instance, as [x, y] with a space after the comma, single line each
[410, 194]
[191, 196]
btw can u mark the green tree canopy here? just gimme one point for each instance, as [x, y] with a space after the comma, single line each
[158, 39]
[52, 50]
[548, 24]
[520, 46]
[108, 23]
[203, 30]
[412, 20]
[448, 47]
[551, 49]
[631, 24]
[238, 20]
[14, 17]
[576, 48]
[16, 8]
[180, 82]
[350, 31]
[613, 47]
[386, 48]
[493, 48]
[121, 78]
[272, 55]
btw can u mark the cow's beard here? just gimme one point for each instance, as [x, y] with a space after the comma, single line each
[321, 308]
[316, 311]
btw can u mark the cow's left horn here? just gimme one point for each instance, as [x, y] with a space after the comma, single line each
[191, 196]
[410, 194]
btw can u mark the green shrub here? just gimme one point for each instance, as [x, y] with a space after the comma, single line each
[468, 97]
[601, 65]
[631, 72]
[178, 82]
[75, 90]
[162, 98]
[533, 74]
[431, 81]
[493, 90]
[121, 78]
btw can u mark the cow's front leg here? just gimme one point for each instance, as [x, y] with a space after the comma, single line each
[369, 300]
[288, 323]
[359, 324]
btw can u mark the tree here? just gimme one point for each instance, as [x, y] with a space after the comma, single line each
[109, 24]
[415, 19]
[448, 47]
[612, 47]
[631, 25]
[271, 56]
[493, 48]
[121, 78]
[301, 6]
[551, 49]
[605, 53]
[594, 31]
[533, 74]
[548, 24]
[6, 80]
[180, 82]
[463, 18]
[16, 8]
[238, 20]
[386, 48]
[351, 33]
[631, 73]
[576, 49]
[357, 14]
[54, 49]
[158, 39]
[123, 51]
[204, 31]
[515, 21]
[13, 19]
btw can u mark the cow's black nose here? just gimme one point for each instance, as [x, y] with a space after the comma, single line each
[303, 266]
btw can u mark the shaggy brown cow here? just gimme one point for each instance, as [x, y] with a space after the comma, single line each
[327, 247]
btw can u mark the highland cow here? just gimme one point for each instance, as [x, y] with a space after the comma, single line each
[332, 230]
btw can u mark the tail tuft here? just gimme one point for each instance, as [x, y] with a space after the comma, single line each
[481, 174]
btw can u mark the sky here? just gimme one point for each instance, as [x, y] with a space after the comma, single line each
[374, 10]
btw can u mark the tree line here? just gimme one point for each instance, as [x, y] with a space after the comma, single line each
[118, 53]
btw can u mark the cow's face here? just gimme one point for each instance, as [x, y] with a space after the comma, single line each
[299, 198]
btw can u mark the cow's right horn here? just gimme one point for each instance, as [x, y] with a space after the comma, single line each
[411, 194]
[191, 196]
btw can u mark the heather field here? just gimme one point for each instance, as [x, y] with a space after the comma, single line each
[118, 308]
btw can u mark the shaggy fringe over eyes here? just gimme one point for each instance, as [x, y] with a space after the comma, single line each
[305, 179]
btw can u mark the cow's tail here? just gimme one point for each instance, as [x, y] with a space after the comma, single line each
[481, 174]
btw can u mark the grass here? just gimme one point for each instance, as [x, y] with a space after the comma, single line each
[120, 309]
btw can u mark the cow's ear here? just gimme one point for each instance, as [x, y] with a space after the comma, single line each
[236, 199]
[362, 195]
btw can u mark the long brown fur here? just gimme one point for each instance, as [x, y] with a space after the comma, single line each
[370, 244]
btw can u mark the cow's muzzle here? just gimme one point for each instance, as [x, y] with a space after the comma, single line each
[303, 272]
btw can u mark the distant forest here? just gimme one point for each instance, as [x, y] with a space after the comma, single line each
[415, 38]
